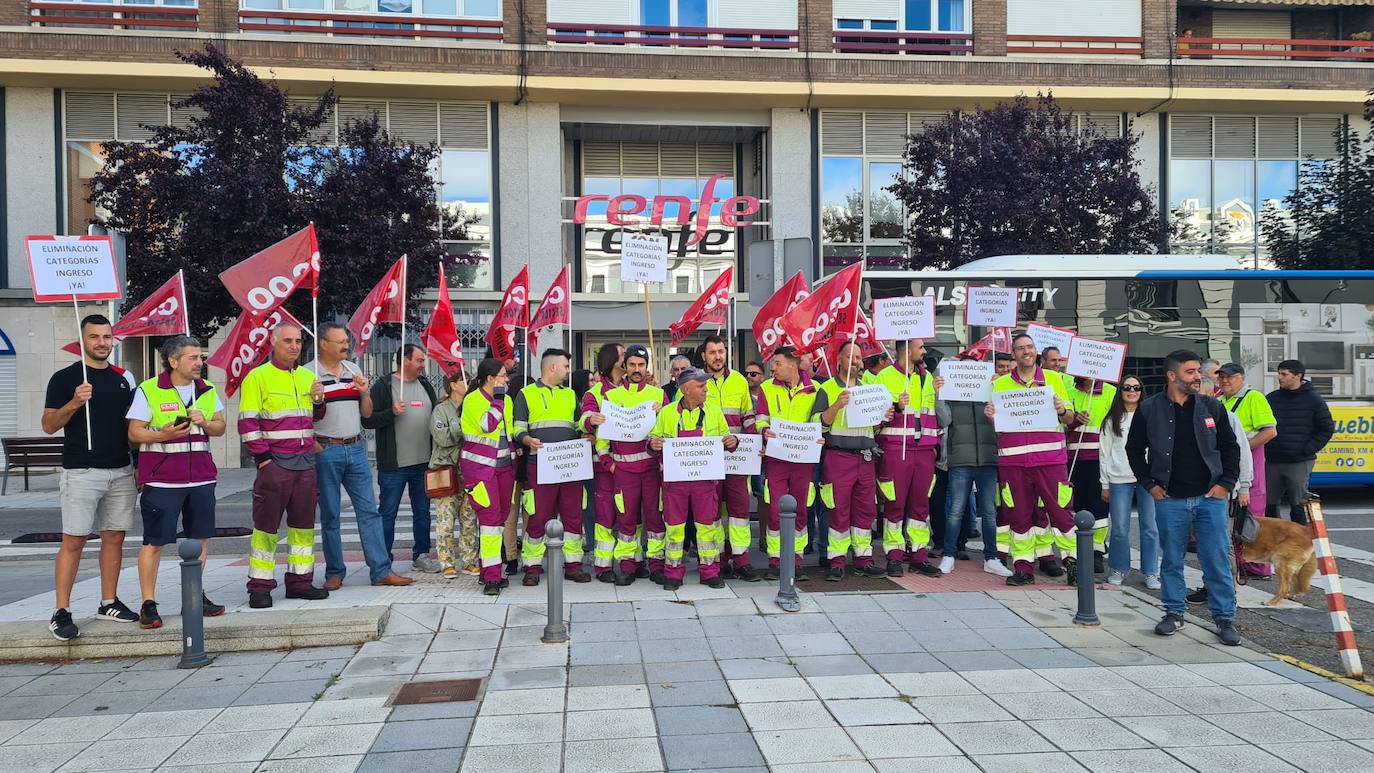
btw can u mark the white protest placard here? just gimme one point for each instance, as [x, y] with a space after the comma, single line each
[990, 306]
[966, 380]
[643, 258]
[1046, 336]
[628, 425]
[693, 458]
[746, 459]
[61, 267]
[794, 441]
[564, 462]
[900, 319]
[1024, 410]
[1097, 360]
[867, 405]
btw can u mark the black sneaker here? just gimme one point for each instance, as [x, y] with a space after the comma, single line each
[1172, 624]
[309, 593]
[491, 588]
[926, 569]
[209, 608]
[873, 570]
[1052, 568]
[895, 569]
[1197, 596]
[642, 573]
[715, 582]
[117, 612]
[671, 584]
[772, 573]
[606, 577]
[747, 574]
[62, 627]
[148, 617]
[503, 583]
[834, 574]
[625, 579]
[1021, 578]
[657, 578]
[259, 600]
[1226, 631]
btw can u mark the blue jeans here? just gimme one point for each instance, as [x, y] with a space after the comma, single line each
[1207, 518]
[961, 481]
[1119, 548]
[392, 484]
[346, 466]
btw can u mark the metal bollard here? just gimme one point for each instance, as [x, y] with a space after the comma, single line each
[787, 562]
[1087, 583]
[555, 630]
[192, 613]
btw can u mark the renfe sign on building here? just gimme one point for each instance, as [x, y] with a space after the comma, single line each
[626, 210]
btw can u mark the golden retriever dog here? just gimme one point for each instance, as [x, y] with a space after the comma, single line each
[1288, 547]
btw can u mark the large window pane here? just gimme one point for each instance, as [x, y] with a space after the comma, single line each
[84, 160]
[918, 15]
[1190, 200]
[842, 217]
[1276, 179]
[484, 8]
[691, 13]
[1234, 189]
[466, 190]
[655, 13]
[952, 16]
[884, 211]
[440, 7]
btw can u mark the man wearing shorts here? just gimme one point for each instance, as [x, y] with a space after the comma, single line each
[97, 483]
[172, 418]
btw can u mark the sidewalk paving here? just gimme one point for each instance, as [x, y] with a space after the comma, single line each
[956, 681]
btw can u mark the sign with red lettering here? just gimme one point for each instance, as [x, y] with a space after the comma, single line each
[65, 267]
[624, 210]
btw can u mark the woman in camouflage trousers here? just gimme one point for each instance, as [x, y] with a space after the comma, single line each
[456, 522]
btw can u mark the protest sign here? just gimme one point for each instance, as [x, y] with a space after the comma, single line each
[565, 462]
[64, 268]
[745, 459]
[1046, 336]
[794, 441]
[1097, 360]
[867, 405]
[1025, 410]
[899, 319]
[693, 458]
[643, 258]
[628, 425]
[967, 380]
[991, 306]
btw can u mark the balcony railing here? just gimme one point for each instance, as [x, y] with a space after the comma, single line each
[877, 42]
[1282, 48]
[1074, 45]
[113, 16]
[673, 37]
[369, 25]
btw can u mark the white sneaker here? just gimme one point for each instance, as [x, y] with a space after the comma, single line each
[993, 566]
[1152, 582]
[1116, 578]
[947, 565]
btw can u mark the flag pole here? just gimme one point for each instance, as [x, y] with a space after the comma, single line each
[85, 377]
[854, 328]
[1092, 388]
[649, 324]
[185, 311]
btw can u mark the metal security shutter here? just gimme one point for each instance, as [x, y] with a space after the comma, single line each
[1234, 136]
[416, 122]
[715, 159]
[9, 396]
[350, 112]
[678, 161]
[1106, 124]
[1278, 137]
[1190, 136]
[601, 159]
[639, 159]
[137, 116]
[327, 133]
[1252, 24]
[842, 134]
[920, 121]
[884, 134]
[463, 125]
[1319, 137]
[89, 116]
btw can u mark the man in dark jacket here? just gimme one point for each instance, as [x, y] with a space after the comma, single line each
[1304, 425]
[1183, 450]
[970, 451]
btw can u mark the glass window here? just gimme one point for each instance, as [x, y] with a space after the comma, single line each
[849, 24]
[306, 5]
[484, 8]
[952, 16]
[394, 6]
[691, 13]
[884, 210]
[655, 13]
[84, 160]
[882, 25]
[842, 215]
[918, 15]
[1233, 190]
[1276, 180]
[440, 7]
[1190, 199]
[272, 5]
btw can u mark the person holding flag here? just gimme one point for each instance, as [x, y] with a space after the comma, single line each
[635, 477]
[790, 396]
[906, 469]
[609, 373]
[728, 390]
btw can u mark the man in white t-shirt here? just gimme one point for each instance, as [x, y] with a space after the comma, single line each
[172, 418]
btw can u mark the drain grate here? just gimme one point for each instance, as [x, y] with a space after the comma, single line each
[446, 691]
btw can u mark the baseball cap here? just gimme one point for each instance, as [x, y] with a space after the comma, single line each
[637, 350]
[1231, 369]
[691, 374]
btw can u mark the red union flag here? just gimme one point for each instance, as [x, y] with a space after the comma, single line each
[999, 340]
[863, 336]
[556, 308]
[264, 281]
[441, 334]
[163, 313]
[248, 341]
[386, 303]
[712, 306]
[514, 312]
[830, 310]
[767, 330]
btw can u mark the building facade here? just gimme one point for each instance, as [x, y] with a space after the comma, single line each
[560, 119]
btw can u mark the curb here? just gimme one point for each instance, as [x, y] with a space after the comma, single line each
[234, 632]
[1364, 687]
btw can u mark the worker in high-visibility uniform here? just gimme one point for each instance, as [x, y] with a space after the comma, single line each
[729, 391]
[547, 412]
[609, 371]
[848, 476]
[487, 465]
[692, 415]
[789, 396]
[906, 469]
[1032, 469]
[1257, 419]
[1089, 401]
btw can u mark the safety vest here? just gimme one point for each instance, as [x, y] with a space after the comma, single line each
[487, 447]
[787, 403]
[1085, 439]
[1033, 448]
[731, 395]
[840, 435]
[676, 421]
[549, 415]
[276, 411]
[629, 396]
[187, 459]
[918, 420]
[1253, 410]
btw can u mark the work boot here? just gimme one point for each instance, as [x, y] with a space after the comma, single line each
[926, 569]
[531, 579]
[895, 569]
[747, 574]
[259, 600]
[873, 570]
[606, 577]
[671, 584]
[578, 576]
[727, 570]
[1051, 567]
[491, 588]
[641, 572]
[657, 577]
[625, 579]
[834, 574]
[1021, 578]
[772, 573]
[309, 593]
[716, 582]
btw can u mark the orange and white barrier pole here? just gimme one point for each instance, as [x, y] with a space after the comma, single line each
[1335, 597]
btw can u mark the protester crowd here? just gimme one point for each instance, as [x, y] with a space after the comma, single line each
[931, 475]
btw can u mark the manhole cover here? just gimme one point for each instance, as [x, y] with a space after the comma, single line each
[446, 691]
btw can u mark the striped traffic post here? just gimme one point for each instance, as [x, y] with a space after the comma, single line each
[1335, 597]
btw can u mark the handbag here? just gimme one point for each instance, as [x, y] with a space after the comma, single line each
[1244, 526]
[441, 481]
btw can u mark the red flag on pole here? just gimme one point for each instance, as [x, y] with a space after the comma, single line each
[999, 340]
[385, 303]
[513, 312]
[830, 310]
[163, 313]
[767, 330]
[712, 306]
[440, 336]
[248, 341]
[264, 281]
[863, 335]
[556, 308]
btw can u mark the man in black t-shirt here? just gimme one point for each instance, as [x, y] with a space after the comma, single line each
[97, 484]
